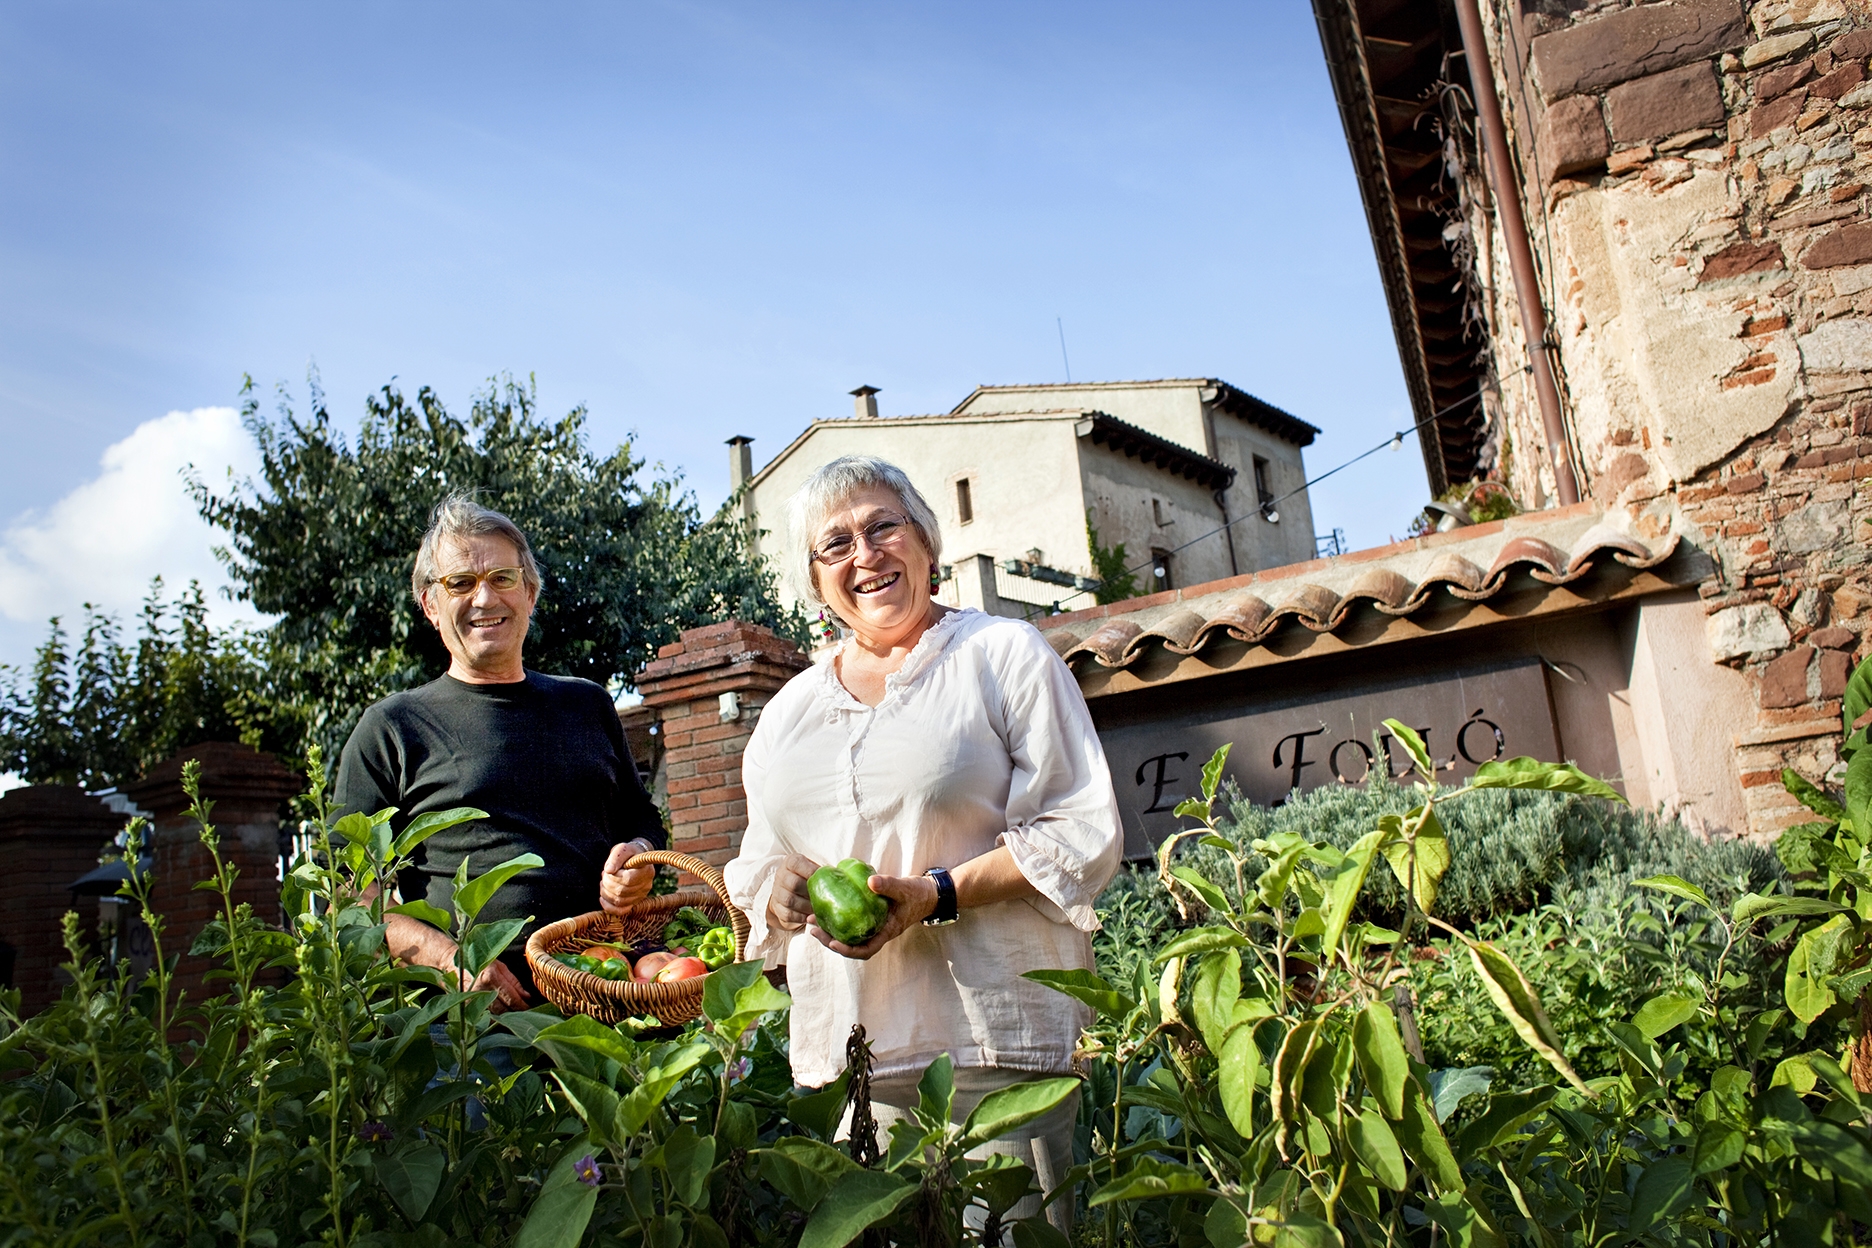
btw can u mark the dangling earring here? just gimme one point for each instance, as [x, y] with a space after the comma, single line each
[935, 578]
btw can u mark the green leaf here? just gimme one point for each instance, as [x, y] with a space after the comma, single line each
[1214, 989]
[1795, 1072]
[1289, 1064]
[1677, 886]
[1812, 962]
[1413, 744]
[936, 1090]
[804, 1170]
[355, 828]
[1423, 1139]
[422, 827]
[595, 1104]
[477, 892]
[1752, 906]
[1201, 940]
[1343, 890]
[688, 1158]
[1212, 772]
[1528, 773]
[1663, 1012]
[1381, 1057]
[1212, 896]
[1664, 1190]
[751, 1003]
[1506, 1114]
[1520, 1004]
[1811, 795]
[411, 1175]
[563, 1208]
[1191, 808]
[723, 986]
[434, 916]
[1463, 1222]
[487, 941]
[1719, 1145]
[1087, 987]
[1037, 1232]
[585, 1032]
[1147, 1178]
[1859, 790]
[1452, 1085]
[1853, 706]
[1238, 1073]
[857, 1201]
[1431, 855]
[819, 1112]
[635, 1109]
[1378, 1148]
[1007, 1108]
[998, 1181]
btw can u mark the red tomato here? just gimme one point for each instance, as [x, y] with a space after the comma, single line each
[651, 964]
[682, 968]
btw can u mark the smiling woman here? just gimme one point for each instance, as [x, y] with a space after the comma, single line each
[952, 750]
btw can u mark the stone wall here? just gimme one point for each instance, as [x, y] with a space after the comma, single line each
[1696, 176]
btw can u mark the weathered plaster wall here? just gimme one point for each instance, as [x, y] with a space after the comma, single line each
[1695, 175]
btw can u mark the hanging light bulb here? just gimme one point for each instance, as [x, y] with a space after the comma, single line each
[1397, 441]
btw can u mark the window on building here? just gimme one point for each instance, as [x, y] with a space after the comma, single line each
[965, 502]
[1264, 492]
[1161, 571]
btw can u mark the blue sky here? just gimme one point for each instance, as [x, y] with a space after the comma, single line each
[698, 220]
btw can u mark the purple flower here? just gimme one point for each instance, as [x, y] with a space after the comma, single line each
[587, 1170]
[741, 1068]
[375, 1132]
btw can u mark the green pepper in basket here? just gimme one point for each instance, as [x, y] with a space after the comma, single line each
[717, 948]
[843, 902]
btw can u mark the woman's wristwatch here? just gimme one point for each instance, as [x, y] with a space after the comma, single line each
[945, 912]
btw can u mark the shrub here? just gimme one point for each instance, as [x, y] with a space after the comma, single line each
[1510, 850]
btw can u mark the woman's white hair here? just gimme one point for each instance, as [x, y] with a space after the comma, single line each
[456, 517]
[827, 490]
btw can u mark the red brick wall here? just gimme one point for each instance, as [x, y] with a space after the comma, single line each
[701, 760]
[50, 835]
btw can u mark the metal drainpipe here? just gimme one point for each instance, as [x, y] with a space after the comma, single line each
[1227, 532]
[1520, 256]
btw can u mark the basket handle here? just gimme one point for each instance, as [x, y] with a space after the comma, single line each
[706, 872]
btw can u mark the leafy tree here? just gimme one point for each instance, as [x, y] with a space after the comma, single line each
[104, 713]
[326, 536]
[1116, 581]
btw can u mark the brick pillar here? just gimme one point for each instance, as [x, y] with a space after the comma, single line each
[52, 834]
[690, 687]
[248, 789]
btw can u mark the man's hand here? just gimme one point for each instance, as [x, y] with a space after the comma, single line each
[789, 906]
[912, 898]
[619, 888]
[508, 994]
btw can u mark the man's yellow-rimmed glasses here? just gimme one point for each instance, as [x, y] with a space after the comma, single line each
[461, 584]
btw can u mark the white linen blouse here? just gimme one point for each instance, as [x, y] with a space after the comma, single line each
[982, 739]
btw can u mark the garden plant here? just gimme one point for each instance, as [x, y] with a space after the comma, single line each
[1255, 1073]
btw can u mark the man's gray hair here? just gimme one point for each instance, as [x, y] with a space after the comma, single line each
[827, 490]
[458, 517]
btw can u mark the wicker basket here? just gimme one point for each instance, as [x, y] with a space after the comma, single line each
[611, 1000]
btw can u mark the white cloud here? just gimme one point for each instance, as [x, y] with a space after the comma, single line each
[103, 542]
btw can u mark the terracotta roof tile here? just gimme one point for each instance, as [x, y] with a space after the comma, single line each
[1554, 548]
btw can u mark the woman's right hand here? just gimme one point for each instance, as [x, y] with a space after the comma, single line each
[790, 906]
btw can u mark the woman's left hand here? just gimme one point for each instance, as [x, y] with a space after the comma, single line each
[619, 887]
[912, 898]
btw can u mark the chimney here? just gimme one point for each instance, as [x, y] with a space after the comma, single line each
[740, 472]
[864, 400]
[740, 461]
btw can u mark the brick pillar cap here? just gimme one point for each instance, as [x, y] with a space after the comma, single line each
[58, 810]
[237, 776]
[727, 644]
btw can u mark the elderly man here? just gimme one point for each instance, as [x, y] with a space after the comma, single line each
[543, 755]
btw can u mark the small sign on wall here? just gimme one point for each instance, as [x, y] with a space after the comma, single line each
[1465, 717]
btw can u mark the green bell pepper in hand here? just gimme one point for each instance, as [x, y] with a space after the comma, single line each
[842, 901]
[717, 948]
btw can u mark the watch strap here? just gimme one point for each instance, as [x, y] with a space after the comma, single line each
[946, 911]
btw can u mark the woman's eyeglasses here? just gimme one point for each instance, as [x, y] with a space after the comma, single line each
[839, 547]
[461, 584]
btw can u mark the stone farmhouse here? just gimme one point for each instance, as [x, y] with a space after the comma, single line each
[1184, 474]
